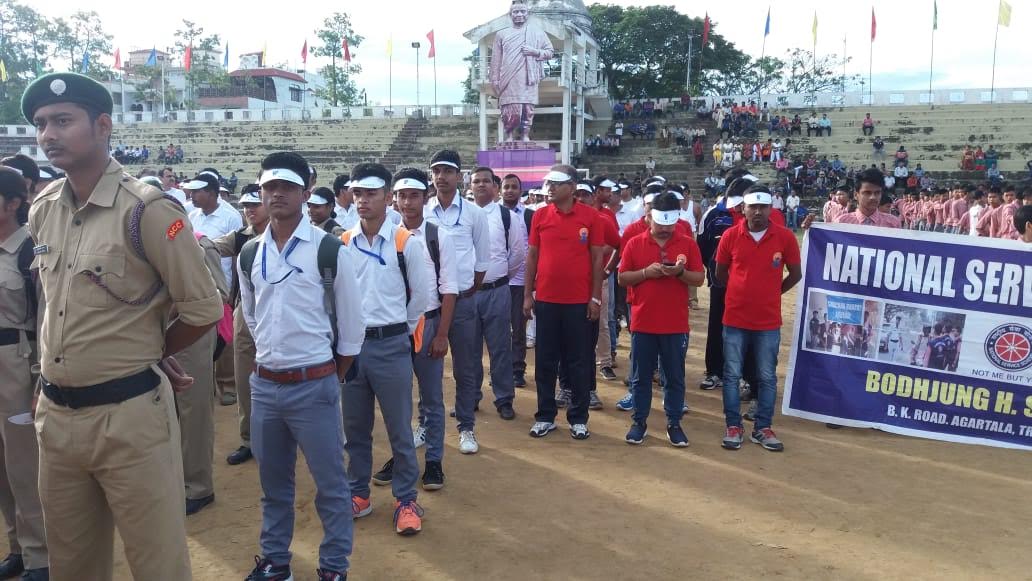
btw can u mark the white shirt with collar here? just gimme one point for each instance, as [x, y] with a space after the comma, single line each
[288, 320]
[506, 258]
[384, 298]
[518, 279]
[467, 225]
[625, 216]
[792, 202]
[347, 219]
[220, 222]
[446, 284]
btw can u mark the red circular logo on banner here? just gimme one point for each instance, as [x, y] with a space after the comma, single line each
[1009, 347]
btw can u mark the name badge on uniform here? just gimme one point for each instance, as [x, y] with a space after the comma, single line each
[41, 249]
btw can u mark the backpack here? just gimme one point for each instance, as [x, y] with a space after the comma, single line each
[433, 244]
[528, 214]
[717, 221]
[25, 257]
[326, 258]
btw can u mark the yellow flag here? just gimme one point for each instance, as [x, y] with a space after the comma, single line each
[1005, 13]
[3, 72]
[815, 28]
[265, 51]
[390, 47]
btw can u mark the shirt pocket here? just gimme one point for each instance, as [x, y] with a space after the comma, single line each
[99, 276]
[13, 307]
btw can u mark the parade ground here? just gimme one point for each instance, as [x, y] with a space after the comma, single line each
[837, 504]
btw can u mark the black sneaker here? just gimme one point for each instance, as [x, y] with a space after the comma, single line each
[594, 402]
[328, 575]
[194, 505]
[433, 476]
[238, 456]
[607, 373]
[265, 570]
[519, 380]
[11, 566]
[385, 475]
[506, 412]
[41, 574]
[562, 397]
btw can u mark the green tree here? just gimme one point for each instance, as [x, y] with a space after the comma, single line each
[205, 70]
[341, 88]
[802, 74]
[23, 48]
[470, 96]
[79, 35]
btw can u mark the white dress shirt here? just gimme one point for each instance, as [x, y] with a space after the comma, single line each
[446, 283]
[506, 257]
[288, 320]
[467, 225]
[625, 216]
[347, 219]
[379, 277]
[517, 278]
[222, 221]
[393, 215]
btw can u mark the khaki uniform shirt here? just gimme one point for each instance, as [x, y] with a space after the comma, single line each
[98, 325]
[13, 302]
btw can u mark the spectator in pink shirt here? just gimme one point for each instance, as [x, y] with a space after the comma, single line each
[869, 198]
[837, 205]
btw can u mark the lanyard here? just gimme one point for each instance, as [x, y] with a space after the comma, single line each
[377, 255]
[290, 248]
[441, 218]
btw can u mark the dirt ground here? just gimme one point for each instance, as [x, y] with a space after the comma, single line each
[846, 504]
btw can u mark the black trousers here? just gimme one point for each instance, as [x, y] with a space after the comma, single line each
[564, 372]
[519, 331]
[563, 335]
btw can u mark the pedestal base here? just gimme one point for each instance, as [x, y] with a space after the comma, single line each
[526, 159]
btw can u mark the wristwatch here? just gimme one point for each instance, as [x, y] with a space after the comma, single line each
[596, 301]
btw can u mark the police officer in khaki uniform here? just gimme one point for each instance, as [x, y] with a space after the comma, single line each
[114, 256]
[19, 461]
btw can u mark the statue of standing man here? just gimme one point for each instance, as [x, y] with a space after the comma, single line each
[517, 69]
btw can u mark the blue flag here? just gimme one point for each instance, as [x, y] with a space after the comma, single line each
[766, 29]
[225, 59]
[85, 63]
[152, 60]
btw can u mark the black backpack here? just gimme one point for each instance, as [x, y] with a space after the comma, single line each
[528, 215]
[25, 257]
[714, 224]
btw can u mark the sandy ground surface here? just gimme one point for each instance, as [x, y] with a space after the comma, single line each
[846, 504]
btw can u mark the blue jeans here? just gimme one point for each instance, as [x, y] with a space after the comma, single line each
[670, 349]
[793, 218]
[764, 346]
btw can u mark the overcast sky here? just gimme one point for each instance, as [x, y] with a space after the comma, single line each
[963, 43]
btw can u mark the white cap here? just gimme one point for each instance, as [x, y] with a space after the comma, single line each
[668, 218]
[732, 202]
[659, 178]
[757, 198]
[624, 186]
[677, 195]
[284, 174]
[585, 188]
[223, 189]
[250, 198]
[194, 185]
[649, 198]
[442, 162]
[368, 182]
[318, 200]
[608, 183]
[409, 184]
[45, 175]
[557, 177]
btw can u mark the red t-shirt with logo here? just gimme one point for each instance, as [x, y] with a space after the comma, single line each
[564, 241]
[756, 269]
[659, 305]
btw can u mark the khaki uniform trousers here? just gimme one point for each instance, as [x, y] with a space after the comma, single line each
[114, 465]
[197, 416]
[603, 356]
[19, 459]
[225, 377]
[243, 364]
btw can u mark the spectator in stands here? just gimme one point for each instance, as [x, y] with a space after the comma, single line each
[824, 126]
[890, 183]
[775, 121]
[967, 159]
[868, 125]
[812, 125]
[879, 147]
[792, 207]
[697, 151]
[179, 154]
[979, 159]
[901, 173]
[902, 157]
[991, 157]
[837, 166]
[650, 167]
[994, 176]
[797, 125]
[783, 126]
[776, 151]
[618, 111]
[765, 112]
[618, 129]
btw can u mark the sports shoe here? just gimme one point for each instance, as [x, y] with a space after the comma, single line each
[732, 438]
[468, 442]
[265, 570]
[40, 574]
[579, 431]
[419, 436]
[386, 474]
[685, 409]
[636, 435]
[562, 397]
[433, 476]
[594, 403]
[626, 403]
[541, 429]
[407, 517]
[506, 412]
[750, 414]
[607, 373]
[612, 357]
[360, 507]
[676, 435]
[530, 343]
[328, 575]
[238, 456]
[712, 381]
[228, 398]
[767, 439]
[519, 380]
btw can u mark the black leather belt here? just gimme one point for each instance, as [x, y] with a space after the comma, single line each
[385, 332]
[114, 391]
[467, 293]
[432, 314]
[13, 336]
[495, 283]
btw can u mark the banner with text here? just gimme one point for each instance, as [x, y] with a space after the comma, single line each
[915, 333]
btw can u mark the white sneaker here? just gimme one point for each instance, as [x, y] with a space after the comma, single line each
[419, 436]
[579, 431]
[541, 429]
[468, 442]
[530, 343]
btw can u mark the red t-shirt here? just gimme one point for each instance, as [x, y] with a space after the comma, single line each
[659, 305]
[639, 226]
[564, 242]
[756, 269]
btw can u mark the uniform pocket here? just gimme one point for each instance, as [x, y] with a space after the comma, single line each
[98, 277]
[13, 306]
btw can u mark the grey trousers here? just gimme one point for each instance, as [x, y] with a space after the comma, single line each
[306, 414]
[519, 330]
[462, 338]
[430, 375]
[493, 326]
[384, 375]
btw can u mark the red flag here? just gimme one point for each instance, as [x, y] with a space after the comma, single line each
[118, 59]
[705, 31]
[433, 48]
[304, 52]
[347, 53]
[874, 24]
[187, 58]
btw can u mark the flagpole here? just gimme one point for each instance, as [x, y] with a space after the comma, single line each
[870, 74]
[845, 57]
[931, 63]
[164, 109]
[759, 86]
[992, 84]
[435, 85]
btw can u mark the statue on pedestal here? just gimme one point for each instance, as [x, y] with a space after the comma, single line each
[517, 69]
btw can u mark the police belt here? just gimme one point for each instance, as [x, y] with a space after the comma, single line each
[114, 391]
[13, 336]
[386, 331]
[495, 283]
[432, 314]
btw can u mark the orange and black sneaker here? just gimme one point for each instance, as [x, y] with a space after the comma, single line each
[360, 507]
[407, 517]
